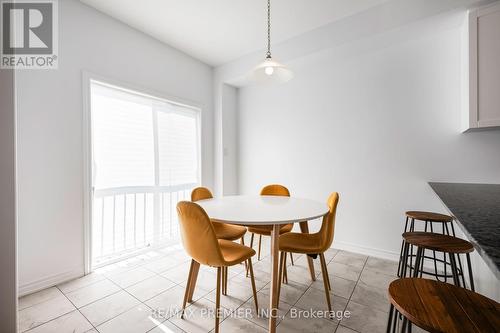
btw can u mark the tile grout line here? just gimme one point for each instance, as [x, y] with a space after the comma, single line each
[175, 284]
[78, 310]
[121, 289]
[357, 281]
[64, 314]
[140, 302]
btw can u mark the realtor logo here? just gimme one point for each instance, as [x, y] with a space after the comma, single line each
[29, 34]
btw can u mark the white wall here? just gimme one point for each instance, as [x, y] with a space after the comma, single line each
[374, 120]
[390, 16]
[50, 151]
[230, 139]
[374, 112]
[8, 237]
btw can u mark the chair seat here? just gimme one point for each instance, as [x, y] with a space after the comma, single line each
[296, 242]
[229, 232]
[266, 230]
[234, 253]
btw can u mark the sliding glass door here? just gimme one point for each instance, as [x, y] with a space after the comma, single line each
[146, 157]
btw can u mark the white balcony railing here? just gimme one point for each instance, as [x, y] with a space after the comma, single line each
[129, 219]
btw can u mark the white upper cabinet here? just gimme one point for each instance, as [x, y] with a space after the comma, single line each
[484, 67]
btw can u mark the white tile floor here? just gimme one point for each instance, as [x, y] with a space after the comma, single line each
[124, 297]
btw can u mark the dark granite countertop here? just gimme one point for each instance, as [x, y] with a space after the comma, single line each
[476, 208]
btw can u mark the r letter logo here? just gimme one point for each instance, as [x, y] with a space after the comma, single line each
[29, 34]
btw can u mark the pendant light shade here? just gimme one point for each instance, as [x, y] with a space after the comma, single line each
[270, 70]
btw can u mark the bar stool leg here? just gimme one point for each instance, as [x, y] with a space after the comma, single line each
[401, 251]
[410, 255]
[460, 269]
[395, 322]
[454, 272]
[418, 260]
[471, 278]
[435, 259]
[389, 321]
[405, 260]
[403, 328]
[447, 230]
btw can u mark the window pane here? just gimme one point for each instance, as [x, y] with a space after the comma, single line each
[177, 146]
[122, 138]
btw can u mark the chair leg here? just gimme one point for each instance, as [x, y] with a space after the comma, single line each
[226, 269]
[323, 265]
[285, 273]
[252, 279]
[186, 293]
[251, 246]
[223, 278]
[243, 243]
[192, 282]
[280, 275]
[217, 299]
[291, 259]
[260, 241]
[325, 279]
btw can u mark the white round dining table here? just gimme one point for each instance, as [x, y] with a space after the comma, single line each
[266, 210]
[257, 210]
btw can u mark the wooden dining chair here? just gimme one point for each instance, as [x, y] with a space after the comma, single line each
[314, 244]
[200, 241]
[277, 190]
[225, 231]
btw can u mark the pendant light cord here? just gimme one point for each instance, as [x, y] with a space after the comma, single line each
[268, 55]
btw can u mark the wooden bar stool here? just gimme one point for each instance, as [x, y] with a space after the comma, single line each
[440, 307]
[450, 246]
[430, 221]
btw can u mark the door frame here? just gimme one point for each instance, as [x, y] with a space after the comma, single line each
[88, 188]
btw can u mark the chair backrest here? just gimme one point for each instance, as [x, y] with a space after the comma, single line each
[328, 225]
[275, 189]
[198, 235]
[201, 193]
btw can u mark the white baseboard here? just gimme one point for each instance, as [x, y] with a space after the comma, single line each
[50, 281]
[369, 251]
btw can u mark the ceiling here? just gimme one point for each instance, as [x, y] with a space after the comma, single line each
[218, 31]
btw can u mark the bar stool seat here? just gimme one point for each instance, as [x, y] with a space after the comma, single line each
[444, 223]
[449, 246]
[441, 307]
[438, 242]
[429, 216]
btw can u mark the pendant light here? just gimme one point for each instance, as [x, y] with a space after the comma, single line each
[270, 70]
